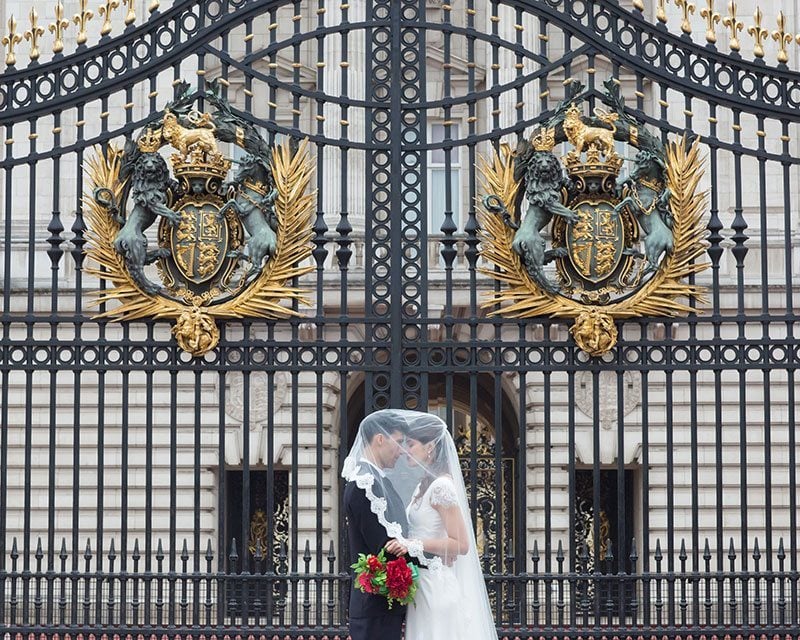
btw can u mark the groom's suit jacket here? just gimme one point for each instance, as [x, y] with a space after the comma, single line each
[367, 535]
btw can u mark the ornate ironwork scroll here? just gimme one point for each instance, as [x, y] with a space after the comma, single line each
[495, 514]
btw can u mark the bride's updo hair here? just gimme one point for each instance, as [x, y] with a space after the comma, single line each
[427, 431]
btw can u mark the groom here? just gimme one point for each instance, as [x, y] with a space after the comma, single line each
[370, 617]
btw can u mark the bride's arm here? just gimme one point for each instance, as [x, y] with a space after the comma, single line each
[457, 541]
[444, 500]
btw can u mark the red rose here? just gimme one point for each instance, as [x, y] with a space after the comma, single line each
[398, 578]
[399, 594]
[374, 564]
[366, 582]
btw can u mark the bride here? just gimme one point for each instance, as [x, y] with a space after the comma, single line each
[451, 599]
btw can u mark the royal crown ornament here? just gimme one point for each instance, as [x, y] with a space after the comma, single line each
[226, 243]
[577, 238]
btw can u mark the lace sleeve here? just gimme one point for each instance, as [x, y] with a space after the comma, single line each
[443, 493]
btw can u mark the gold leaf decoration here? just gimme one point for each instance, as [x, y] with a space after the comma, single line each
[521, 298]
[295, 205]
[263, 297]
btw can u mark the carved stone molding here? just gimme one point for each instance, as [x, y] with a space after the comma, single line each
[608, 404]
[259, 398]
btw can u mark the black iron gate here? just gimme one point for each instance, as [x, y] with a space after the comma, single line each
[652, 491]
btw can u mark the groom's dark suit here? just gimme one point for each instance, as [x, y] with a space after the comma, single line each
[370, 617]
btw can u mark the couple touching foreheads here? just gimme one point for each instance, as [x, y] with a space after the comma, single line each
[431, 528]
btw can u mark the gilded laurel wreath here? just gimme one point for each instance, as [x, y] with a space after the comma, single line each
[527, 294]
[264, 295]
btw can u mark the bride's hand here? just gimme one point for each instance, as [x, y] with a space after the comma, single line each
[395, 548]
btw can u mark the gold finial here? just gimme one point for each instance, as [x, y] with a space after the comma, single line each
[734, 25]
[10, 41]
[782, 38]
[81, 18]
[153, 6]
[759, 33]
[687, 8]
[34, 33]
[712, 18]
[105, 11]
[130, 17]
[661, 11]
[638, 4]
[58, 27]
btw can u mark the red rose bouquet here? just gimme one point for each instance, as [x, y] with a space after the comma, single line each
[396, 580]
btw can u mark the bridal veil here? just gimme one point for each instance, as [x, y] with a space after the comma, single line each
[392, 443]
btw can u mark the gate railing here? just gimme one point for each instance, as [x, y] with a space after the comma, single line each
[173, 594]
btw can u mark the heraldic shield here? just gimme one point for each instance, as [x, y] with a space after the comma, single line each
[578, 238]
[199, 243]
[228, 240]
[595, 244]
[204, 247]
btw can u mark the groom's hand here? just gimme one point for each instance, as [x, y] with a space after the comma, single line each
[395, 548]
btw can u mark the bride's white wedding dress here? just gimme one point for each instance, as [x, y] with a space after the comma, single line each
[443, 606]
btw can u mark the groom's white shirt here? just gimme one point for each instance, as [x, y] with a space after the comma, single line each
[380, 471]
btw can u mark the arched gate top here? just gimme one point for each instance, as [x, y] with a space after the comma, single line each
[607, 29]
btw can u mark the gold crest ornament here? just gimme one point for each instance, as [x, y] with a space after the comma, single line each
[620, 246]
[225, 246]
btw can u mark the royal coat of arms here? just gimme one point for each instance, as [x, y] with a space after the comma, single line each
[228, 238]
[574, 237]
